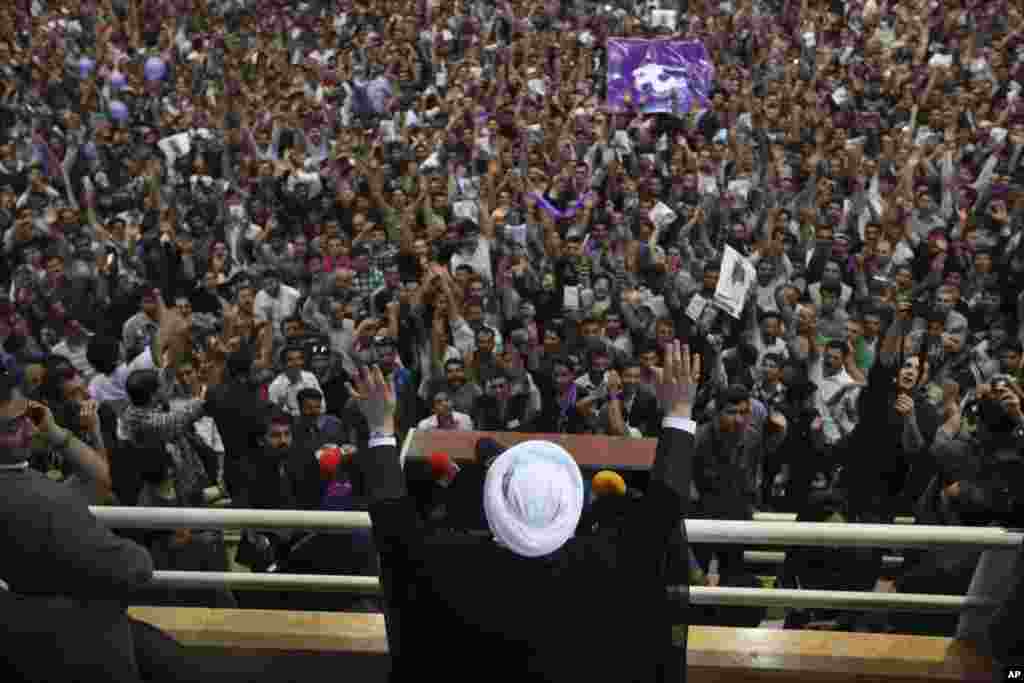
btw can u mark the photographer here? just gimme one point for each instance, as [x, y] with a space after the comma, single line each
[980, 480]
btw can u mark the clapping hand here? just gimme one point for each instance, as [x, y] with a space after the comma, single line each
[376, 399]
[677, 381]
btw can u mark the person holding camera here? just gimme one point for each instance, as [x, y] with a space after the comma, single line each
[981, 477]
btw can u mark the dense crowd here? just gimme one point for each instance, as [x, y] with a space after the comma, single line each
[215, 214]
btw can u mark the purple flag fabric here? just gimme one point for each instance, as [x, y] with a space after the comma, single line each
[659, 75]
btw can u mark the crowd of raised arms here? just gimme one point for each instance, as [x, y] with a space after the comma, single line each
[258, 198]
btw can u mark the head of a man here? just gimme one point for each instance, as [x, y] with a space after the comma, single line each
[709, 281]
[294, 362]
[455, 373]
[499, 386]
[632, 377]
[1010, 357]
[771, 367]
[272, 283]
[441, 405]
[591, 333]
[246, 298]
[311, 403]
[831, 277]
[833, 361]
[17, 427]
[293, 328]
[734, 411]
[277, 435]
[143, 387]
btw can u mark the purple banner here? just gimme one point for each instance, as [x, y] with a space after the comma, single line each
[659, 75]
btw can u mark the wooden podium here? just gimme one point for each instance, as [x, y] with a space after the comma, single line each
[590, 452]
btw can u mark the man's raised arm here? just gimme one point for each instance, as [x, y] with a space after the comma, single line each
[677, 387]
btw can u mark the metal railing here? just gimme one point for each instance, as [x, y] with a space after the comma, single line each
[699, 595]
[773, 533]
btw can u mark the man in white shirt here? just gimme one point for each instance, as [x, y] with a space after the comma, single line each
[444, 417]
[276, 302]
[475, 253]
[74, 347]
[766, 334]
[837, 391]
[284, 390]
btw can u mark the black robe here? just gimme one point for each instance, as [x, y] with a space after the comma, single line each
[539, 619]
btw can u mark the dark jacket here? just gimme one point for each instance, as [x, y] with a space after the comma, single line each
[291, 482]
[543, 619]
[51, 544]
[239, 413]
[487, 415]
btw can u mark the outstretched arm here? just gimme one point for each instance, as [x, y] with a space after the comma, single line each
[677, 387]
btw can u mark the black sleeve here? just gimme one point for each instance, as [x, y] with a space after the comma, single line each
[673, 464]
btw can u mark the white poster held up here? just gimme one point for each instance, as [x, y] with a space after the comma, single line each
[734, 282]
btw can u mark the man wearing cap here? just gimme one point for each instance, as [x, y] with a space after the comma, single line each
[552, 611]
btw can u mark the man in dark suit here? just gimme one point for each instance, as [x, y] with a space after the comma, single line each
[60, 566]
[240, 414]
[541, 603]
[281, 475]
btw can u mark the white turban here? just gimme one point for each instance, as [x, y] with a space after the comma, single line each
[533, 498]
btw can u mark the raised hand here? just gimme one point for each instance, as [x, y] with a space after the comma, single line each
[375, 396]
[677, 381]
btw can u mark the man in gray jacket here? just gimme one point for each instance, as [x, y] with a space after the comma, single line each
[57, 556]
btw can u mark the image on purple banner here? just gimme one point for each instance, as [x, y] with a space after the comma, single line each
[658, 75]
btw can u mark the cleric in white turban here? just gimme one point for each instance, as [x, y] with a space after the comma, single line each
[534, 601]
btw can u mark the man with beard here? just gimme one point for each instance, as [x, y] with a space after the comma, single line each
[313, 428]
[831, 284]
[281, 476]
[283, 391]
[730, 451]
[276, 302]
